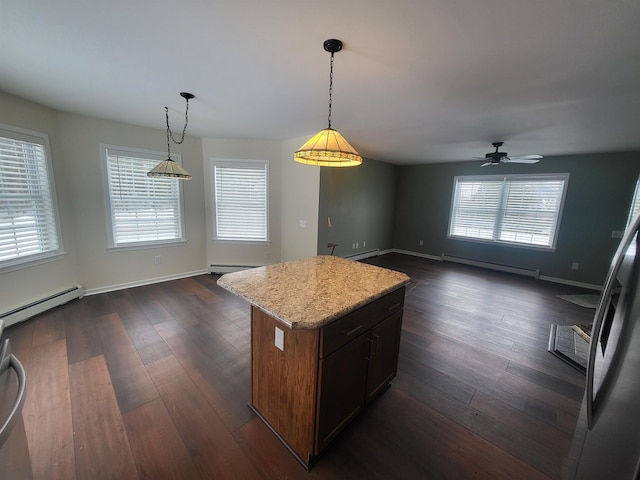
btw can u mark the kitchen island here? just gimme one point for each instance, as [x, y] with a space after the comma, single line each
[325, 334]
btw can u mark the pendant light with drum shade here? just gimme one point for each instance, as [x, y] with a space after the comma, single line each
[170, 168]
[328, 148]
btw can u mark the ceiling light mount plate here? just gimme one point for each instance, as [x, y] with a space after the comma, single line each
[187, 95]
[333, 45]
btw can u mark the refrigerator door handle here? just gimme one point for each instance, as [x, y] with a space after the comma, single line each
[603, 307]
[16, 411]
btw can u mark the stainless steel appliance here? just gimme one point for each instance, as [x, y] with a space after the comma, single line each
[607, 439]
[14, 452]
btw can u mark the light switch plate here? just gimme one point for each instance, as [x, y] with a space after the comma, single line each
[280, 339]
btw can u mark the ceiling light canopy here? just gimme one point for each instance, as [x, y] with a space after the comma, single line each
[328, 148]
[169, 168]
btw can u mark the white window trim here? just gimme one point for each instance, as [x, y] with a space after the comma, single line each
[155, 155]
[32, 136]
[511, 177]
[234, 162]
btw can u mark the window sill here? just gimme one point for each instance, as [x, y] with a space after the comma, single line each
[10, 267]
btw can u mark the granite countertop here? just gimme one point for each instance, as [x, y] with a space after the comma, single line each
[312, 292]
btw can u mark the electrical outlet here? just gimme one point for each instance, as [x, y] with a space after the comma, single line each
[574, 266]
[157, 259]
[421, 243]
[356, 244]
[353, 247]
[279, 339]
[364, 244]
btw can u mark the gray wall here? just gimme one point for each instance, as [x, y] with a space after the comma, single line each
[361, 204]
[599, 194]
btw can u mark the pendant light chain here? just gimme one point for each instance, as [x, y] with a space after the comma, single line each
[166, 112]
[184, 130]
[170, 134]
[330, 88]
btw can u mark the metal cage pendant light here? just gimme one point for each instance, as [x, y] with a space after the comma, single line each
[170, 168]
[328, 148]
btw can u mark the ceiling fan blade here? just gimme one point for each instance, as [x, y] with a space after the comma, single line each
[526, 157]
[479, 158]
[520, 160]
[485, 164]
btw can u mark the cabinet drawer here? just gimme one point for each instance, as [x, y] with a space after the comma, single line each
[349, 327]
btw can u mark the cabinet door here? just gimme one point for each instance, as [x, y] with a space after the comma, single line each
[343, 377]
[383, 358]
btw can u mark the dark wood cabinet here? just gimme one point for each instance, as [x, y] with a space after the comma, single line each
[312, 388]
[383, 359]
[341, 386]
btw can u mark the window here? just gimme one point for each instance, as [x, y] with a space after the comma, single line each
[509, 209]
[635, 204]
[143, 211]
[29, 227]
[633, 212]
[241, 200]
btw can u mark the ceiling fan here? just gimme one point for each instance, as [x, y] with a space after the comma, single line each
[495, 158]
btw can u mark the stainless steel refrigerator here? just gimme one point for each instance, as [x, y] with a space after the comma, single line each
[607, 439]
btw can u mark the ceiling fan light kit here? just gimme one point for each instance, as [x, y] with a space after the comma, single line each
[496, 158]
[328, 148]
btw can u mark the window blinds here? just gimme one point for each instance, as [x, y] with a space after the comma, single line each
[509, 209]
[28, 222]
[143, 209]
[241, 200]
[475, 208]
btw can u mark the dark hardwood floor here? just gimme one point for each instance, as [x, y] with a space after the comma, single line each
[153, 382]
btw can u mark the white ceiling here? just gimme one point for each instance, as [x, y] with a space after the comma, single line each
[418, 81]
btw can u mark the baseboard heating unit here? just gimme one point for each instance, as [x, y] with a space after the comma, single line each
[220, 269]
[27, 311]
[527, 272]
[363, 255]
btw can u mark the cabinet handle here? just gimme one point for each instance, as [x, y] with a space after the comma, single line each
[369, 355]
[375, 344]
[393, 306]
[353, 330]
